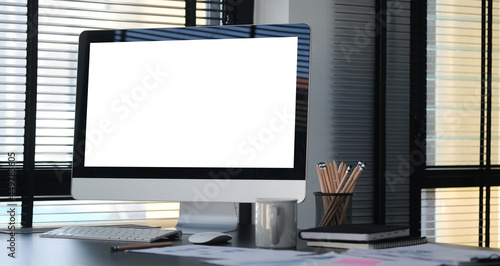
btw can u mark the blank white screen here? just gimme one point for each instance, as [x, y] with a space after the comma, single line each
[196, 103]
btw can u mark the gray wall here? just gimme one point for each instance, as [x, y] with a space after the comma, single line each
[318, 15]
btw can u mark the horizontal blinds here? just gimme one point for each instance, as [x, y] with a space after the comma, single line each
[50, 213]
[211, 12]
[454, 82]
[495, 84]
[60, 23]
[353, 102]
[462, 84]
[397, 112]
[352, 97]
[12, 80]
[10, 216]
[454, 215]
[74, 212]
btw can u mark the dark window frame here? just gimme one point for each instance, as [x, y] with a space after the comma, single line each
[484, 175]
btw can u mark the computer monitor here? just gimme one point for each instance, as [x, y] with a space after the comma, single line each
[195, 115]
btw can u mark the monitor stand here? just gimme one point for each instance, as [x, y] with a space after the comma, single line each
[196, 217]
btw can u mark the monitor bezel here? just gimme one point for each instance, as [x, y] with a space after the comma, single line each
[97, 178]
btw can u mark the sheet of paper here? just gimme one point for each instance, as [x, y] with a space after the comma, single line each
[425, 252]
[330, 259]
[222, 252]
[221, 255]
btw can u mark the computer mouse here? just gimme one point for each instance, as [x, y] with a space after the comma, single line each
[209, 238]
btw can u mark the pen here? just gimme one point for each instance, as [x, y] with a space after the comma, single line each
[141, 246]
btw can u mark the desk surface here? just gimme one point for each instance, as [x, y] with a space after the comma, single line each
[30, 249]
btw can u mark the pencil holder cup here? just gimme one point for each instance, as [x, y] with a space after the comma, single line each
[333, 208]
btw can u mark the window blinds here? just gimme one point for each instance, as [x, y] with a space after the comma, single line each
[352, 97]
[453, 215]
[459, 197]
[454, 81]
[12, 79]
[397, 170]
[59, 25]
[380, 192]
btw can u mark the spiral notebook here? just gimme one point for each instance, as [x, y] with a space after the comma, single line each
[355, 232]
[376, 244]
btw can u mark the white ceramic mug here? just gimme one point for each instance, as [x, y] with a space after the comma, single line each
[275, 223]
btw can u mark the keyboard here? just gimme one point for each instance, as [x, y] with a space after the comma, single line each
[113, 233]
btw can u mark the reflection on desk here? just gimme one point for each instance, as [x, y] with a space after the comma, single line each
[30, 249]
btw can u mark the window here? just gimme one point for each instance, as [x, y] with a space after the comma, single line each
[462, 71]
[38, 52]
[457, 184]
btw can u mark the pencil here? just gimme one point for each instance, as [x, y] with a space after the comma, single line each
[350, 179]
[360, 168]
[336, 175]
[320, 176]
[323, 183]
[345, 177]
[141, 246]
[330, 181]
